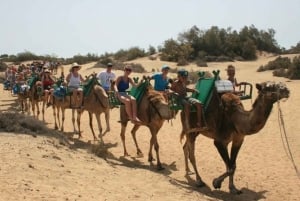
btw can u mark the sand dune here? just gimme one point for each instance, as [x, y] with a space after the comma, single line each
[39, 168]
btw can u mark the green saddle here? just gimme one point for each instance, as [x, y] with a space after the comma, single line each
[32, 80]
[204, 85]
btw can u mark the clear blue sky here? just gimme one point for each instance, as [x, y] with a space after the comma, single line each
[69, 27]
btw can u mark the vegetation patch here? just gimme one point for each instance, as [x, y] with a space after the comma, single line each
[283, 67]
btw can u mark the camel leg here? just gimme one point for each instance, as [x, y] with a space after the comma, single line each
[43, 110]
[91, 125]
[54, 115]
[78, 122]
[186, 157]
[73, 121]
[62, 119]
[133, 133]
[191, 138]
[123, 129]
[233, 155]
[230, 165]
[107, 115]
[100, 129]
[154, 142]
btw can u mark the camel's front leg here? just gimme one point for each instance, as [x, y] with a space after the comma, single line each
[78, 122]
[91, 125]
[99, 127]
[133, 133]
[73, 121]
[54, 115]
[230, 166]
[43, 110]
[62, 119]
[107, 116]
[154, 142]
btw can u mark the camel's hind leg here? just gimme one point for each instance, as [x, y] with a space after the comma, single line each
[133, 133]
[190, 149]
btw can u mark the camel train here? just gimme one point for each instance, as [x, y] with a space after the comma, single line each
[224, 116]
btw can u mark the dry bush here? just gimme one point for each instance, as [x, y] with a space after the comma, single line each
[19, 123]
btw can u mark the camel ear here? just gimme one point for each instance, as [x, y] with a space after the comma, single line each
[258, 87]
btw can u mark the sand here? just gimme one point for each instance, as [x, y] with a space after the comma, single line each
[40, 168]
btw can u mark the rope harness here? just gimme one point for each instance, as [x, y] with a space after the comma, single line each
[284, 137]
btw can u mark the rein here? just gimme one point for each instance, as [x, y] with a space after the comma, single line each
[284, 137]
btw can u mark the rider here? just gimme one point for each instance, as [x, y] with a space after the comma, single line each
[47, 86]
[179, 87]
[121, 85]
[106, 77]
[161, 80]
[74, 80]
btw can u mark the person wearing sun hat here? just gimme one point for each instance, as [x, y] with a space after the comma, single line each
[74, 80]
[106, 77]
[180, 88]
[161, 79]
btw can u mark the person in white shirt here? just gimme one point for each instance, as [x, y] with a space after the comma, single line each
[105, 77]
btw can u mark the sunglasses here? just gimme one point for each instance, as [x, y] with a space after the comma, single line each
[128, 69]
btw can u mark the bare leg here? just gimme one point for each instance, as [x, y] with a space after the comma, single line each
[187, 115]
[134, 108]
[199, 113]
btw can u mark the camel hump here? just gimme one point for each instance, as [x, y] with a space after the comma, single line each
[101, 95]
[230, 99]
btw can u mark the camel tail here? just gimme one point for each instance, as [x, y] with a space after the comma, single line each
[102, 96]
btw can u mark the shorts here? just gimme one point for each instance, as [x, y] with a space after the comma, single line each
[190, 100]
[71, 88]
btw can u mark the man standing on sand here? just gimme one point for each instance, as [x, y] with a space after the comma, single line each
[105, 77]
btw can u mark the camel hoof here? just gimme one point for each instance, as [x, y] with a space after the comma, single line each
[160, 167]
[188, 172]
[217, 183]
[140, 154]
[151, 159]
[200, 183]
[235, 191]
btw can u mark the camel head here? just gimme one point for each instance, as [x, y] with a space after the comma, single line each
[159, 103]
[273, 91]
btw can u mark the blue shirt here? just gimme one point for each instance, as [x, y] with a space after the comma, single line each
[160, 83]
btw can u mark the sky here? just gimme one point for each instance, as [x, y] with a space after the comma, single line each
[65, 28]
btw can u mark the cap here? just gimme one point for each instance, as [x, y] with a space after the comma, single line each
[165, 67]
[183, 72]
[109, 65]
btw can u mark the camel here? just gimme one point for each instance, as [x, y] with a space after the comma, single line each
[153, 110]
[36, 96]
[22, 99]
[95, 102]
[228, 121]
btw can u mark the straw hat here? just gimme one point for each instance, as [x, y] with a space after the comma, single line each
[47, 71]
[75, 65]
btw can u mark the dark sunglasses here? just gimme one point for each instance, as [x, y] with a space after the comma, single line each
[128, 69]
